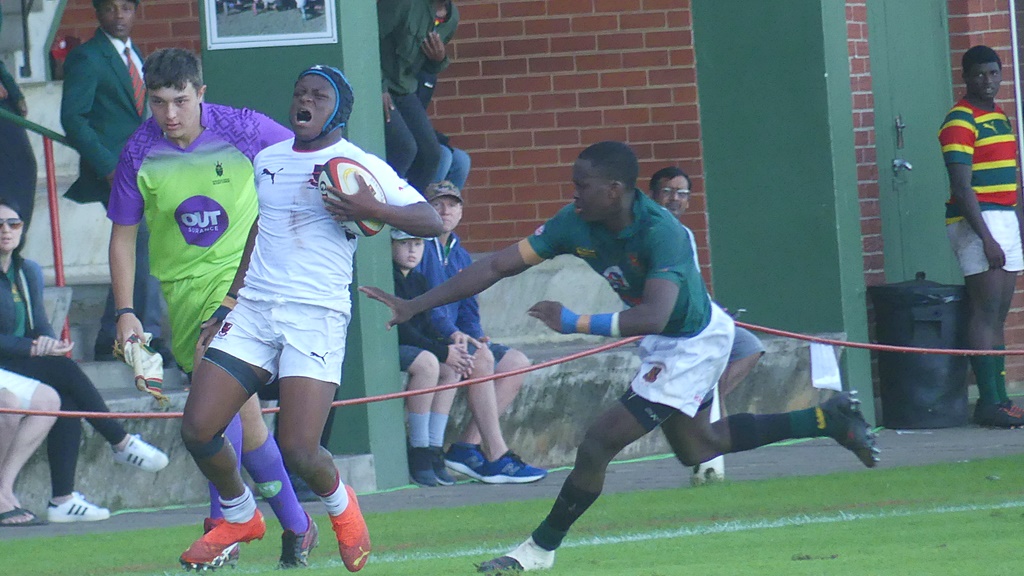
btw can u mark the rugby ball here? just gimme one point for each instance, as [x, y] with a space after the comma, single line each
[341, 174]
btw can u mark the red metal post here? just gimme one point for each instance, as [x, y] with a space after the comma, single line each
[51, 197]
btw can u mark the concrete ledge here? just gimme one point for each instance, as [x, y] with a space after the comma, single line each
[115, 486]
[549, 417]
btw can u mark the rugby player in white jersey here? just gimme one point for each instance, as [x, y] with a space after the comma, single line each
[292, 315]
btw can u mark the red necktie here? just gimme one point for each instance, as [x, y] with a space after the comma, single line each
[137, 86]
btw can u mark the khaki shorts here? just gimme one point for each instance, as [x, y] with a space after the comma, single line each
[967, 246]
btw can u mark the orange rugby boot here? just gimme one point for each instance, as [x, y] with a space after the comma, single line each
[353, 536]
[215, 548]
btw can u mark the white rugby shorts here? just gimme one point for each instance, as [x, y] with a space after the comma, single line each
[286, 338]
[970, 253]
[22, 387]
[680, 371]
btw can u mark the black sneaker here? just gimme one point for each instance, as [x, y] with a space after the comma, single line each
[500, 566]
[295, 548]
[847, 426]
[444, 478]
[421, 467]
[1003, 415]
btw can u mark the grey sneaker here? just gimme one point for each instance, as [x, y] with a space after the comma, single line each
[440, 470]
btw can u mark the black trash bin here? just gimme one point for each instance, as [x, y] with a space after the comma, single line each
[921, 390]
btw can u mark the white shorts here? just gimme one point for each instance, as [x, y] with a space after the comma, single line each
[966, 244]
[680, 371]
[22, 387]
[286, 338]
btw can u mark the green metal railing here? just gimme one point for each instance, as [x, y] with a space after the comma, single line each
[30, 125]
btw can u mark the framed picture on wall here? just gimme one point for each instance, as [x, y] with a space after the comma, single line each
[259, 23]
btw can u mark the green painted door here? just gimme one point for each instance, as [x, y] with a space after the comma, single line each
[911, 81]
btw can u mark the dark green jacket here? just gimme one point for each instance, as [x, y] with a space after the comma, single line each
[403, 25]
[98, 114]
[13, 91]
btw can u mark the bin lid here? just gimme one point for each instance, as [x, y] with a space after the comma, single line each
[918, 291]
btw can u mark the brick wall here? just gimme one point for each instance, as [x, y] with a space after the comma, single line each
[864, 141]
[533, 82]
[987, 22]
[158, 23]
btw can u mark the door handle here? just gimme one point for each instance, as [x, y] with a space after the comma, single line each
[900, 164]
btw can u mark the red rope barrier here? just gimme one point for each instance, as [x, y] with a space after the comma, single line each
[531, 368]
[351, 402]
[879, 347]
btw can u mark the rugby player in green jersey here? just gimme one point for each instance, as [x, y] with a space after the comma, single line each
[644, 254]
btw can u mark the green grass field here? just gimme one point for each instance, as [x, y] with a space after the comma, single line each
[949, 519]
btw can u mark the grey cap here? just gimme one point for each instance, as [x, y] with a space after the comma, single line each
[397, 234]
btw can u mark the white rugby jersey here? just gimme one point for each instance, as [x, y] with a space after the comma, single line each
[301, 253]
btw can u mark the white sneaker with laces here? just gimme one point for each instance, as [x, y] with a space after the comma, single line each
[77, 509]
[532, 557]
[142, 455]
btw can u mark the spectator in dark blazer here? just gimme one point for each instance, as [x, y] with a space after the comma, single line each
[104, 102]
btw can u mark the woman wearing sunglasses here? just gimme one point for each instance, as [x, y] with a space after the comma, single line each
[29, 347]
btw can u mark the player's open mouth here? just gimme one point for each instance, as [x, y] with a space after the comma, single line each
[303, 116]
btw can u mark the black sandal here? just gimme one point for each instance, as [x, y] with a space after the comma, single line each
[32, 521]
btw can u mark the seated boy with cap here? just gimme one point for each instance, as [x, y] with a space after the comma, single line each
[431, 360]
[481, 452]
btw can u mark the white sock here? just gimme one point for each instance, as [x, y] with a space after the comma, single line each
[337, 501]
[239, 510]
[419, 434]
[438, 423]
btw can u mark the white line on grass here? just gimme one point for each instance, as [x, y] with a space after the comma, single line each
[715, 528]
[701, 530]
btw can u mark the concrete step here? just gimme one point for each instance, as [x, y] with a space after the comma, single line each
[120, 487]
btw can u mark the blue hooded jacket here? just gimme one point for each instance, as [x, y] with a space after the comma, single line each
[463, 315]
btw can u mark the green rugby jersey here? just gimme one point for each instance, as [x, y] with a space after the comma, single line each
[655, 245]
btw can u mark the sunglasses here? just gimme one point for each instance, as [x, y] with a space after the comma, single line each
[12, 223]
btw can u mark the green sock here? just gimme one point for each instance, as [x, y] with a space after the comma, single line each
[808, 423]
[1000, 362]
[986, 373]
